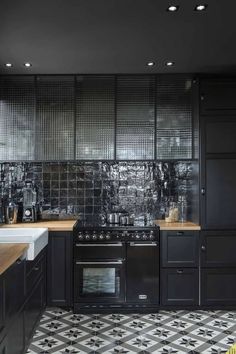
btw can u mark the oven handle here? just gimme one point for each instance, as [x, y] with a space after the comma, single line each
[118, 244]
[134, 244]
[108, 262]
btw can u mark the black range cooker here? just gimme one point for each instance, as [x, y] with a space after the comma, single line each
[115, 267]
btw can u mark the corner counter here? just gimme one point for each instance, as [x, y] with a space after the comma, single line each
[178, 226]
[57, 225]
[9, 253]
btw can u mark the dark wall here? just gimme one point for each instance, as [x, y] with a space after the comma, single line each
[81, 188]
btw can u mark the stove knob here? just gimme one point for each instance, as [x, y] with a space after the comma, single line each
[137, 236]
[80, 236]
[144, 236]
[101, 237]
[108, 236]
[151, 236]
[87, 237]
[94, 237]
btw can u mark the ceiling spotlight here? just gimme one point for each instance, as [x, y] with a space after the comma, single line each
[169, 63]
[200, 7]
[150, 63]
[27, 65]
[173, 8]
[9, 65]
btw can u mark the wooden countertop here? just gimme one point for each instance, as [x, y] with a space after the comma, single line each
[57, 225]
[67, 225]
[179, 226]
[9, 253]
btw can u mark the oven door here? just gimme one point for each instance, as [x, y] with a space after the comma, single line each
[99, 281]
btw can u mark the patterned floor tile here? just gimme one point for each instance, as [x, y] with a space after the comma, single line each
[166, 332]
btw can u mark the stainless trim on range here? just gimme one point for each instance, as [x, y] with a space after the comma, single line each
[118, 244]
[115, 262]
[134, 244]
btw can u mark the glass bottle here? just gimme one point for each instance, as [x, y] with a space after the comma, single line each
[182, 205]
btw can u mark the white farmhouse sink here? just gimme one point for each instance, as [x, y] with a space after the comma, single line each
[36, 238]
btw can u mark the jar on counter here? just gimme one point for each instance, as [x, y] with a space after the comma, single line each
[182, 205]
[172, 213]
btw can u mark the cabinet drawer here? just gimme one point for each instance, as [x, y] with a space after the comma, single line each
[218, 96]
[218, 286]
[218, 249]
[179, 248]
[179, 286]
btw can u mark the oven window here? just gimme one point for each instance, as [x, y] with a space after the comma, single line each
[100, 281]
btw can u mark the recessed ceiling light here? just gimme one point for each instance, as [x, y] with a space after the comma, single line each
[200, 7]
[150, 63]
[173, 8]
[170, 63]
[9, 65]
[27, 65]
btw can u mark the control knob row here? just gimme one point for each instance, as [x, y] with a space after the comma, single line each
[94, 236]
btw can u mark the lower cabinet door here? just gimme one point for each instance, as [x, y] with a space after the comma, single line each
[15, 336]
[218, 286]
[33, 308]
[179, 286]
[3, 346]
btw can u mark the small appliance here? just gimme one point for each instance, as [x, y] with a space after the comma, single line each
[29, 202]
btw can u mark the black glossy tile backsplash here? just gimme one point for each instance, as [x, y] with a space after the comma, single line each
[70, 189]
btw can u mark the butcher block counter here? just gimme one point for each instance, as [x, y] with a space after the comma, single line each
[57, 225]
[9, 253]
[178, 226]
[67, 225]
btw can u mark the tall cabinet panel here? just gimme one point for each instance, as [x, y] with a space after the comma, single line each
[95, 117]
[55, 118]
[218, 191]
[174, 117]
[135, 117]
[17, 113]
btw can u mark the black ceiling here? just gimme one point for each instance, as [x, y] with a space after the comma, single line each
[116, 36]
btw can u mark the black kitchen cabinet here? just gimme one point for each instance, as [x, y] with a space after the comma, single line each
[14, 283]
[218, 248]
[179, 248]
[3, 346]
[17, 134]
[21, 303]
[220, 134]
[34, 308]
[179, 268]
[95, 117]
[179, 287]
[142, 274]
[218, 96]
[218, 287]
[54, 117]
[15, 335]
[218, 193]
[59, 269]
[2, 306]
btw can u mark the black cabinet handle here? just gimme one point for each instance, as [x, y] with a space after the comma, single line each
[202, 97]
[180, 271]
[18, 261]
[36, 268]
[203, 191]
[203, 248]
[179, 233]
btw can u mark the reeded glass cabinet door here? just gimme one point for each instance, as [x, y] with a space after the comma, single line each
[17, 103]
[95, 117]
[135, 117]
[54, 118]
